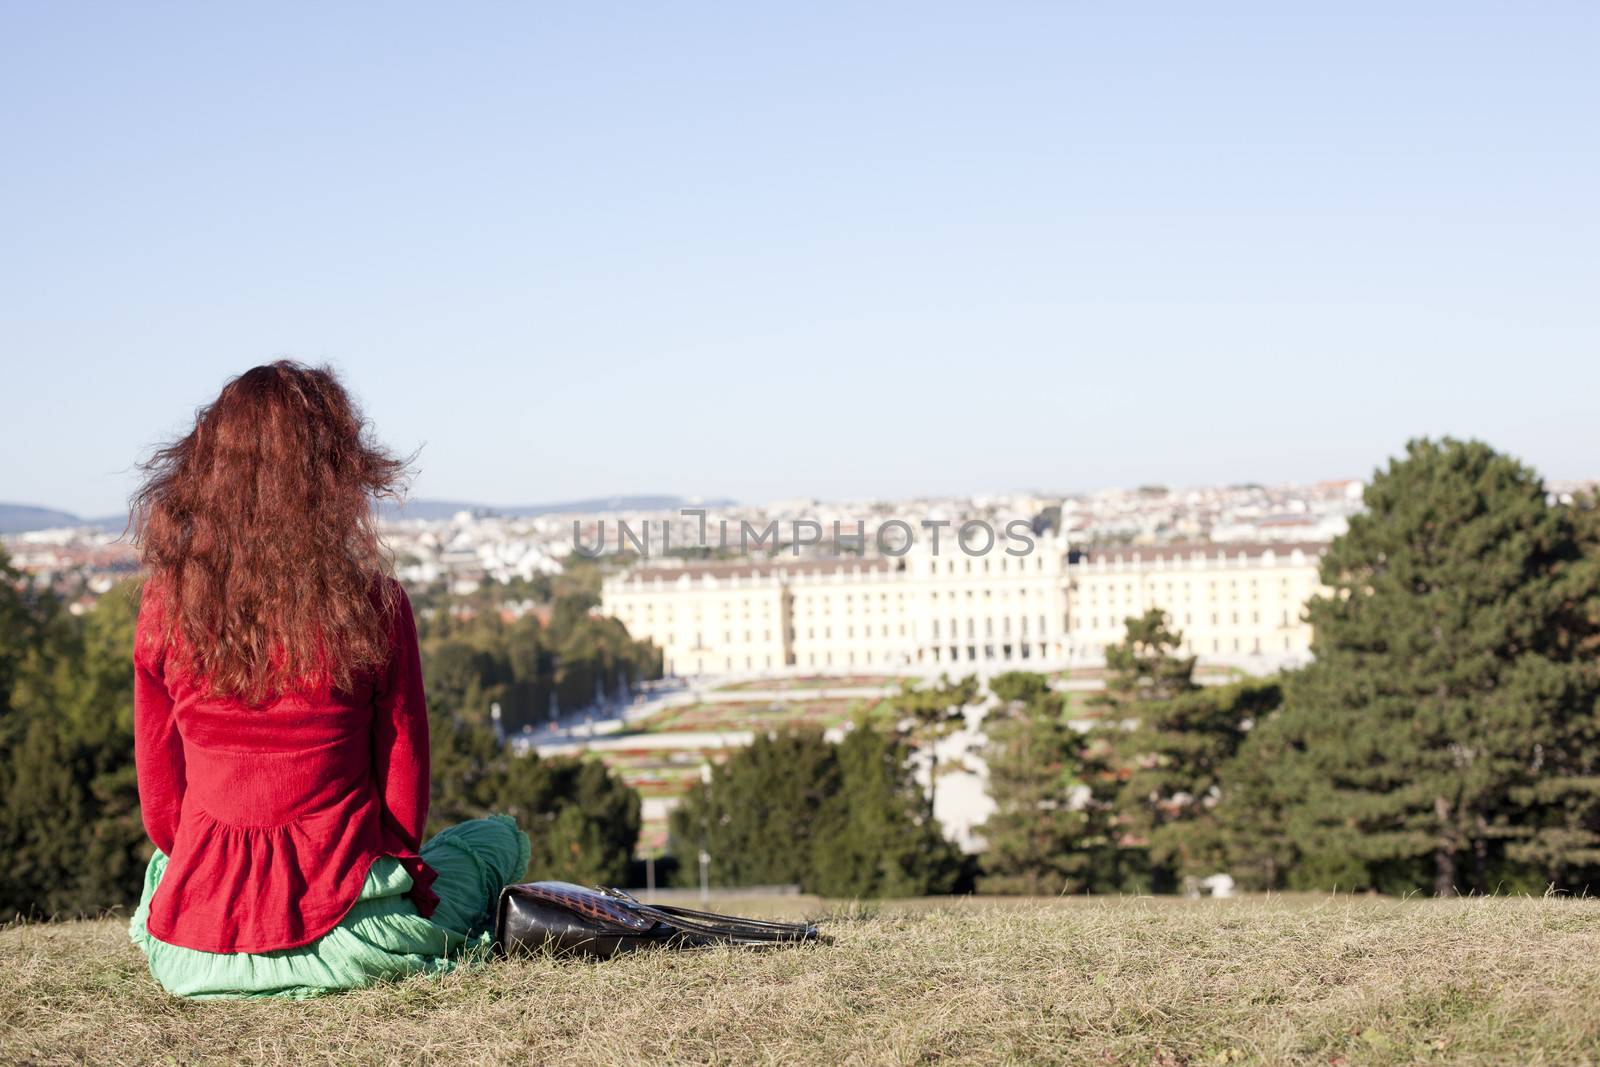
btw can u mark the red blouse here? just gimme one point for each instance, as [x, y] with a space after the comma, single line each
[270, 816]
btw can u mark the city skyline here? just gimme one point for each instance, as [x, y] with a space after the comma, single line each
[595, 502]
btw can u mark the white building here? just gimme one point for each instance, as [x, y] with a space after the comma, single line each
[1240, 604]
[1235, 604]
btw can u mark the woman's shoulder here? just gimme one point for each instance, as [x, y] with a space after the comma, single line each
[387, 590]
[390, 598]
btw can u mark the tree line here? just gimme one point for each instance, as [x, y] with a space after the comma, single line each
[840, 820]
[560, 658]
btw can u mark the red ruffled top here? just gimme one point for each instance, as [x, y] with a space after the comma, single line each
[271, 815]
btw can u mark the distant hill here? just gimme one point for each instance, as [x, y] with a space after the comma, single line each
[444, 509]
[20, 518]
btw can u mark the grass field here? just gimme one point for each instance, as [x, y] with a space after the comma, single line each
[1097, 981]
[818, 681]
[757, 715]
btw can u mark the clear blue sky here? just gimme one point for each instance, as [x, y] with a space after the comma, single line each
[769, 250]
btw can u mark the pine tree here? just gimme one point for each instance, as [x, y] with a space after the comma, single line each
[876, 838]
[470, 664]
[1020, 687]
[69, 817]
[466, 766]
[1451, 702]
[794, 808]
[582, 819]
[1143, 666]
[1255, 840]
[17, 627]
[1143, 671]
[1048, 833]
[1563, 804]
[758, 815]
[1178, 755]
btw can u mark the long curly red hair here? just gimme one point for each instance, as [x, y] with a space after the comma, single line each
[257, 532]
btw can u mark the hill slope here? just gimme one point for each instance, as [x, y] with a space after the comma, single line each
[444, 509]
[1279, 980]
[20, 518]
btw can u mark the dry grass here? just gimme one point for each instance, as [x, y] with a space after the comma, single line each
[1279, 980]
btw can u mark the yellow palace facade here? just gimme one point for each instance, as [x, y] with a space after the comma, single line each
[1238, 604]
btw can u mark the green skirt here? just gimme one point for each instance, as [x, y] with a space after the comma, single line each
[382, 936]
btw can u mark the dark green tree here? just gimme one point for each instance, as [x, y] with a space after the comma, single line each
[876, 837]
[1048, 834]
[18, 636]
[1144, 665]
[759, 814]
[467, 767]
[1176, 760]
[794, 808]
[18, 626]
[69, 816]
[1020, 687]
[474, 661]
[1449, 714]
[1250, 827]
[582, 819]
[1562, 806]
[463, 678]
[1144, 671]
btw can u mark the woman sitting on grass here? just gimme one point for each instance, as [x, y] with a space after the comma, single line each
[281, 732]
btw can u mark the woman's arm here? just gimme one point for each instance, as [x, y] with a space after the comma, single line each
[400, 732]
[157, 746]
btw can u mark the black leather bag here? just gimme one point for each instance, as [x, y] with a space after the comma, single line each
[569, 919]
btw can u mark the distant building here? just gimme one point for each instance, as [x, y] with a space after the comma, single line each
[1235, 603]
